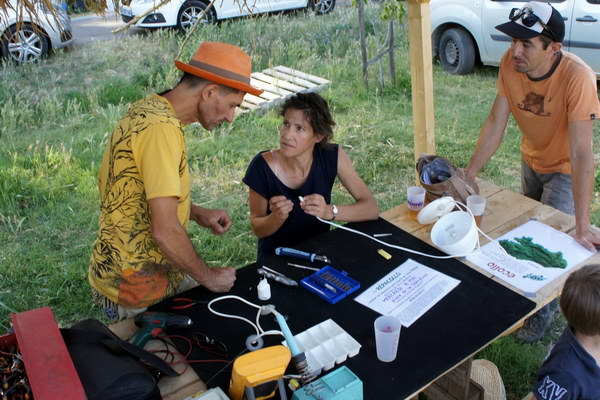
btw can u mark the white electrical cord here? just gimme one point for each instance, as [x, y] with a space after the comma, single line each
[477, 248]
[259, 331]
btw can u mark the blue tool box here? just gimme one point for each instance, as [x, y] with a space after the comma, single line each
[330, 284]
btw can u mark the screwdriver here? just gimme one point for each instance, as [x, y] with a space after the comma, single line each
[286, 251]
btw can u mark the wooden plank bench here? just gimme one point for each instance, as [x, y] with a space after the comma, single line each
[278, 84]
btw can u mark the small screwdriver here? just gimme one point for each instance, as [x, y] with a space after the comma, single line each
[286, 251]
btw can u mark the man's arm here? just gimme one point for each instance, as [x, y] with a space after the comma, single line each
[582, 175]
[490, 136]
[174, 242]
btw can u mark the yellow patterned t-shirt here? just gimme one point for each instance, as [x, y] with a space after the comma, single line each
[145, 158]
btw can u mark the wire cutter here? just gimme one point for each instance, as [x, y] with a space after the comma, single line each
[181, 303]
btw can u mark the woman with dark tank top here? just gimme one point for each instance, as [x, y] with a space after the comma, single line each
[305, 165]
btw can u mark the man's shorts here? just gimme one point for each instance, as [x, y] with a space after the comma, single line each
[554, 189]
[117, 313]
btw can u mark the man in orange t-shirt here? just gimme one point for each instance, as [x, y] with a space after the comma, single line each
[552, 97]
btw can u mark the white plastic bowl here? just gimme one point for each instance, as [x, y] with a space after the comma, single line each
[455, 233]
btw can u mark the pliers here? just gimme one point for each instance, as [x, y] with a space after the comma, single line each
[184, 303]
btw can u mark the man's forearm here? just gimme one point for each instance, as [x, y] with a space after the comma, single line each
[582, 170]
[176, 245]
[490, 136]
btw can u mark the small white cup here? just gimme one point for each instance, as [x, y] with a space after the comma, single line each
[387, 336]
[476, 204]
[415, 196]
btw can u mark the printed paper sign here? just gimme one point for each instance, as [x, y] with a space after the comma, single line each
[407, 292]
[530, 256]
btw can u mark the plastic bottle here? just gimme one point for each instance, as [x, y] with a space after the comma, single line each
[264, 289]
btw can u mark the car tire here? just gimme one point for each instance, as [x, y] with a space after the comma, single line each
[457, 51]
[26, 44]
[322, 7]
[189, 12]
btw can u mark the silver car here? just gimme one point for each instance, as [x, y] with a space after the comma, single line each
[27, 36]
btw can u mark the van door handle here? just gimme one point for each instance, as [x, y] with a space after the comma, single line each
[587, 18]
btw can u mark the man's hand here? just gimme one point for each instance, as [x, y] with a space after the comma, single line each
[281, 207]
[219, 280]
[216, 220]
[315, 205]
[588, 238]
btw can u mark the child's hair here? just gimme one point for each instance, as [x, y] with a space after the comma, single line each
[315, 110]
[580, 300]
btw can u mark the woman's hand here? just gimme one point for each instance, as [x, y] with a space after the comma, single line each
[315, 205]
[281, 207]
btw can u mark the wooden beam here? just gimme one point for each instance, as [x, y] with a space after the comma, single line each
[419, 34]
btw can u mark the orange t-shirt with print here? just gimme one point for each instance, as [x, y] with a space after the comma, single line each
[543, 109]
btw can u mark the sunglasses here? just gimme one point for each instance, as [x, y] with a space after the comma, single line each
[528, 18]
[209, 345]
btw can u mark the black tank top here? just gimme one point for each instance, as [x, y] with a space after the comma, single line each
[299, 226]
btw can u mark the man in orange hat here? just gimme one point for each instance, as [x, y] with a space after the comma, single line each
[143, 253]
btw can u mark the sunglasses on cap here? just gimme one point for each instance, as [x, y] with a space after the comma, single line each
[528, 18]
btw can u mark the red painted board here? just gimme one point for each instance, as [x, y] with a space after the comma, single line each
[51, 373]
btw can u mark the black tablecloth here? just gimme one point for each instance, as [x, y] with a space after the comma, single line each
[468, 318]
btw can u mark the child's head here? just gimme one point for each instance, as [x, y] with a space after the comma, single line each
[580, 300]
[315, 110]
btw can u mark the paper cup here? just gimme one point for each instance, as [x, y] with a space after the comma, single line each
[387, 336]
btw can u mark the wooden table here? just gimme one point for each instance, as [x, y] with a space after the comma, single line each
[505, 210]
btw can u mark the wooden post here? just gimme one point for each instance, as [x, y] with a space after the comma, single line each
[363, 41]
[419, 34]
[391, 43]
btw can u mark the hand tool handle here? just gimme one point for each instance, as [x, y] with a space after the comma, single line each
[286, 251]
[277, 278]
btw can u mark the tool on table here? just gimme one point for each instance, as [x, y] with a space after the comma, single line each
[258, 374]
[286, 251]
[153, 324]
[276, 276]
[330, 284]
[299, 359]
[181, 303]
[303, 267]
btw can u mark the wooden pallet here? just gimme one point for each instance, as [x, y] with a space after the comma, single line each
[279, 83]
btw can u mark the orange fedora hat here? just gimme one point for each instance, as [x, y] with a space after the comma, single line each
[221, 63]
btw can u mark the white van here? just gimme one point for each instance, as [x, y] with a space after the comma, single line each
[463, 31]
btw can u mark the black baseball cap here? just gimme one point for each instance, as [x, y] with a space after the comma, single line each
[534, 19]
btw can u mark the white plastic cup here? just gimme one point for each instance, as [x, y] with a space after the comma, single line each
[387, 336]
[415, 197]
[476, 204]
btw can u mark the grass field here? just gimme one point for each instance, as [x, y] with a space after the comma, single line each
[56, 117]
